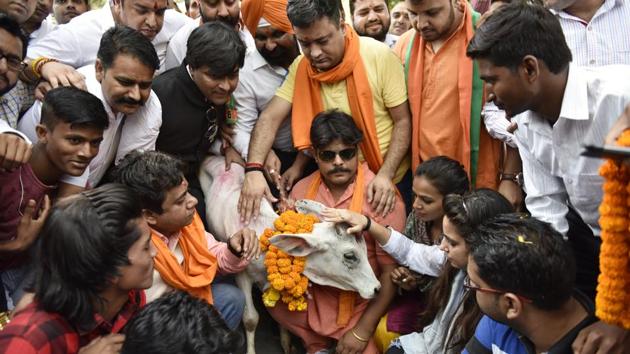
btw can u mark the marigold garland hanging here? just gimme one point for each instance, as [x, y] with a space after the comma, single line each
[613, 294]
[284, 272]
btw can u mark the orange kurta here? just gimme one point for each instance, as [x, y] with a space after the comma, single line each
[441, 125]
[317, 326]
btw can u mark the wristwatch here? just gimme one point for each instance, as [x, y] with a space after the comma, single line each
[514, 177]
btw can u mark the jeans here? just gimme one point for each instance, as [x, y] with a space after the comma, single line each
[229, 300]
[13, 281]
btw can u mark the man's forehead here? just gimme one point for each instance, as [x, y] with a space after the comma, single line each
[425, 5]
[366, 3]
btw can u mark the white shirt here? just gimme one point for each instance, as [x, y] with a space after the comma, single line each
[257, 84]
[76, 43]
[605, 40]
[176, 51]
[420, 258]
[124, 134]
[391, 39]
[555, 173]
[47, 26]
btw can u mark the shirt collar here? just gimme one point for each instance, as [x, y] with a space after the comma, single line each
[575, 99]
[606, 6]
[94, 87]
[136, 301]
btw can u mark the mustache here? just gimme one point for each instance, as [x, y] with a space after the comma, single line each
[337, 170]
[130, 101]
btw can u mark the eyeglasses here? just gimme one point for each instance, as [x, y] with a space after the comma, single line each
[329, 155]
[213, 127]
[13, 63]
[469, 286]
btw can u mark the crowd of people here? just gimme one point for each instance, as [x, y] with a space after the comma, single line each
[447, 134]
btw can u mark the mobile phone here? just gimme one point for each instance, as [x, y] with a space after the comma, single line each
[607, 151]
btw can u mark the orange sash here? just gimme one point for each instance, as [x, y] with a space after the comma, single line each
[346, 298]
[195, 275]
[415, 85]
[307, 99]
[274, 11]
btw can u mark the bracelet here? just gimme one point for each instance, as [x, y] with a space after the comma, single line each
[357, 337]
[254, 168]
[36, 65]
[253, 164]
[368, 225]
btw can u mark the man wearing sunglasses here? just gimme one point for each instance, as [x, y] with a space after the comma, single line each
[196, 99]
[342, 182]
[523, 274]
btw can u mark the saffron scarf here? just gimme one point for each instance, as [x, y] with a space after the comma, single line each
[470, 89]
[274, 11]
[346, 298]
[307, 99]
[196, 273]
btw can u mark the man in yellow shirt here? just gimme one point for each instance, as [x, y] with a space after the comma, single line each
[357, 75]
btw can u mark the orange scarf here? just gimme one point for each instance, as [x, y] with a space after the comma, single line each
[195, 275]
[346, 298]
[307, 99]
[274, 11]
[415, 86]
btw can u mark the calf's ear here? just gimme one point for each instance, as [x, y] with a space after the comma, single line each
[297, 245]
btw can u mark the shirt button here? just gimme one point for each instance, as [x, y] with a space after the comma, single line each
[592, 61]
[590, 28]
[569, 181]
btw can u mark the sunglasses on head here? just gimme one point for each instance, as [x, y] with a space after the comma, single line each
[329, 155]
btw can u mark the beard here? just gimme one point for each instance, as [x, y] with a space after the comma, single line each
[379, 36]
[280, 56]
[229, 20]
[7, 87]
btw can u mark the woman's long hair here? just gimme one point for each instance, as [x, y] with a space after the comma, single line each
[465, 212]
[84, 242]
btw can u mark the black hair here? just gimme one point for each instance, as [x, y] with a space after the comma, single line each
[352, 2]
[73, 106]
[150, 175]
[13, 27]
[217, 46]
[84, 243]
[518, 29]
[303, 13]
[465, 212]
[125, 40]
[180, 324]
[445, 174]
[522, 255]
[334, 125]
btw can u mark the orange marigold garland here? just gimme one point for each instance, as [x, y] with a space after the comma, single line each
[284, 272]
[613, 295]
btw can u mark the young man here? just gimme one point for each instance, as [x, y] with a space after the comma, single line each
[523, 274]
[558, 108]
[121, 78]
[445, 92]
[177, 322]
[196, 97]
[188, 258]
[69, 135]
[341, 182]
[226, 11]
[37, 26]
[95, 257]
[66, 10]
[339, 69]
[400, 19]
[370, 18]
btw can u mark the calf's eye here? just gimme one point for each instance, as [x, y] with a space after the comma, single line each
[349, 256]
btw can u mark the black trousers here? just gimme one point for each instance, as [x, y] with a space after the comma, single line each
[586, 251]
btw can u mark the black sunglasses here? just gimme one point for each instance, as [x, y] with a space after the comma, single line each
[329, 155]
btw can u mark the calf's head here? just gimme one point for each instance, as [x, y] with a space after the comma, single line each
[334, 258]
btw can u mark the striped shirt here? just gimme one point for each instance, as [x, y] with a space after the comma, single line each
[556, 174]
[605, 40]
